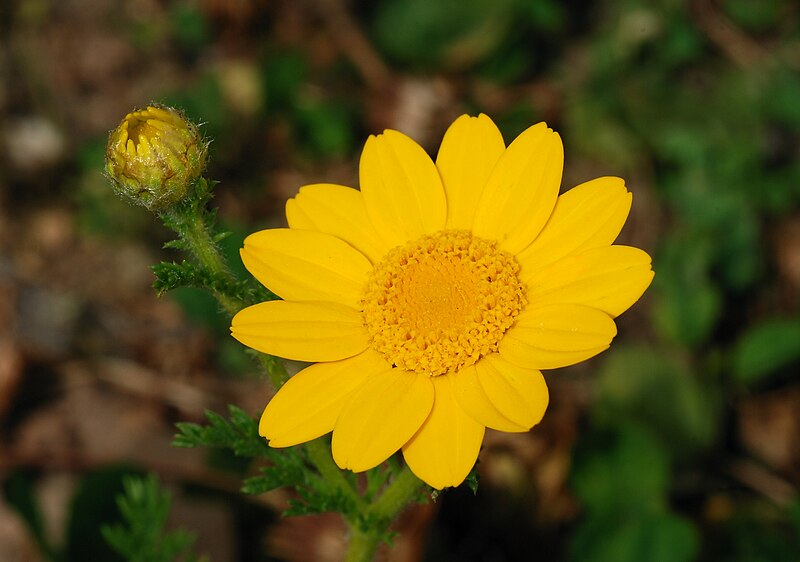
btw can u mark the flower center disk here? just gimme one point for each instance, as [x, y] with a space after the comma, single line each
[441, 302]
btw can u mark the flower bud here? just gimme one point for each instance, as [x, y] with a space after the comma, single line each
[154, 156]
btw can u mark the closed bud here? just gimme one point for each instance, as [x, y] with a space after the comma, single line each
[154, 156]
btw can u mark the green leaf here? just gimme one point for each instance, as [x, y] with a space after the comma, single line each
[94, 506]
[454, 33]
[283, 75]
[654, 389]
[320, 499]
[755, 16]
[766, 349]
[623, 470]
[757, 533]
[654, 537]
[687, 305]
[172, 275]
[145, 508]
[325, 128]
[239, 433]
[781, 100]
[189, 25]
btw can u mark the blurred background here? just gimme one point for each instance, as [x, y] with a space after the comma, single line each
[682, 442]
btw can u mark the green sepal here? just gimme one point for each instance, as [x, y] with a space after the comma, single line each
[473, 478]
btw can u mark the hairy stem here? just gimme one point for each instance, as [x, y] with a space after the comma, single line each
[397, 495]
[320, 456]
[361, 545]
[201, 243]
[381, 513]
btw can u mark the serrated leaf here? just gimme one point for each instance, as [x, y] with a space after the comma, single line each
[240, 434]
[172, 275]
[177, 245]
[145, 507]
[92, 507]
[273, 477]
[311, 502]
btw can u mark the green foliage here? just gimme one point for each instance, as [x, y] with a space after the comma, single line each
[621, 477]
[655, 537]
[145, 507]
[754, 16]
[450, 32]
[173, 275]
[198, 235]
[657, 391]
[766, 349]
[239, 433]
[287, 467]
[322, 126]
[473, 479]
[756, 533]
[94, 506]
[620, 471]
[188, 25]
[325, 127]
[283, 74]
[688, 303]
[91, 507]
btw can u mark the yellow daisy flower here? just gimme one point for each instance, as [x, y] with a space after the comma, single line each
[429, 300]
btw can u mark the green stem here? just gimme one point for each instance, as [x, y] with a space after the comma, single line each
[320, 456]
[202, 245]
[382, 512]
[361, 546]
[275, 369]
[398, 494]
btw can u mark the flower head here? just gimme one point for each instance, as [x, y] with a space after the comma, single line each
[154, 156]
[430, 300]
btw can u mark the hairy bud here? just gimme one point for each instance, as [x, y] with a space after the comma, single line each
[154, 156]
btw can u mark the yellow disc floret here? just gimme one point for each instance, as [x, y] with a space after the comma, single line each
[441, 302]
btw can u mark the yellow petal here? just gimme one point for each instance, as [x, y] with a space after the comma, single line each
[402, 188]
[521, 190]
[446, 447]
[554, 336]
[587, 216]
[305, 265]
[308, 405]
[380, 417]
[304, 331]
[519, 394]
[470, 395]
[470, 149]
[610, 278]
[336, 210]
